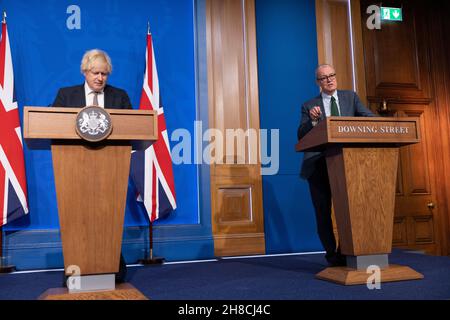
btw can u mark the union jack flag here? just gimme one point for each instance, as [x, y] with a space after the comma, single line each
[13, 186]
[151, 170]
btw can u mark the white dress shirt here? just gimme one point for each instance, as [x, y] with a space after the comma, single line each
[327, 103]
[89, 94]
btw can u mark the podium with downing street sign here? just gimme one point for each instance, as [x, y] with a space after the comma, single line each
[91, 180]
[362, 158]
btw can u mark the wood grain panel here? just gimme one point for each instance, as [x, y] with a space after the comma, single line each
[396, 61]
[439, 43]
[400, 236]
[123, 291]
[364, 202]
[127, 124]
[91, 186]
[423, 229]
[334, 42]
[407, 67]
[417, 159]
[402, 71]
[236, 186]
[235, 205]
[342, 50]
[348, 276]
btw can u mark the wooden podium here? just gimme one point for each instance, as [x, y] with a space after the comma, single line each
[91, 181]
[362, 159]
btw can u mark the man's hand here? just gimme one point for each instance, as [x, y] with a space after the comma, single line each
[315, 113]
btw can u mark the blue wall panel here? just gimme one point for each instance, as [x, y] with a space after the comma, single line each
[287, 57]
[46, 56]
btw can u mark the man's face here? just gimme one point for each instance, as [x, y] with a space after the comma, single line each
[97, 76]
[326, 79]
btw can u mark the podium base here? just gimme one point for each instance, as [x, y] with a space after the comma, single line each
[7, 269]
[124, 291]
[151, 261]
[348, 276]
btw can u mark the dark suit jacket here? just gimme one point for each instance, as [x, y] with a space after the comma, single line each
[74, 97]
[349, 105]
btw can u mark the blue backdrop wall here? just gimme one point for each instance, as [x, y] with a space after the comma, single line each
[46, 55]
[48, 39]
[287, 57]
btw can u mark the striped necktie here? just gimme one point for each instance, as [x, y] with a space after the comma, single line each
[95, 103]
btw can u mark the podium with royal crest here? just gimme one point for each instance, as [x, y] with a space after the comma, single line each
[91, 180]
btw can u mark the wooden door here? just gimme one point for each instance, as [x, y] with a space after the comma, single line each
[398, 69]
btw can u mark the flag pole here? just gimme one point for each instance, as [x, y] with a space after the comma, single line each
[151, 259]
[4, 267]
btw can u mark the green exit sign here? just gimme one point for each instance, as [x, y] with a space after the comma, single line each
[391, 14]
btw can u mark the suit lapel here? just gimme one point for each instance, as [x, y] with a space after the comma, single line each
[108, 98]
[343, 104]
[80, 96]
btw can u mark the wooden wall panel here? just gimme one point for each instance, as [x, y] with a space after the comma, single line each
[339, 42]
[341, 46]
[438, 33]
[236, 184]
[404, 71]
[415, 182]
[395, 57]
[335, 46]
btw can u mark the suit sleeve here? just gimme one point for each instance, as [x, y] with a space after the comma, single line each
[126, 104]
[59, 100]
[305, 123]
[360, 109]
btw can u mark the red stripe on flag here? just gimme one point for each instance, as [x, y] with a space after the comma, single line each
[145, 104]
[11, 143]
[165, 163]
[161, 124]
[2, 193]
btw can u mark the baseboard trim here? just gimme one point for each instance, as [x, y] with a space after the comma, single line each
[42, 249]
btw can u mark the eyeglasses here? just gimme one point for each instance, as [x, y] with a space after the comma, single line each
[330, 77]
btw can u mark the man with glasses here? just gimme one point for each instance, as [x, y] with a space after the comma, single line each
[330, 102]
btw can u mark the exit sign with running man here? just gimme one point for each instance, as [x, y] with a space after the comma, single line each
[391, 14]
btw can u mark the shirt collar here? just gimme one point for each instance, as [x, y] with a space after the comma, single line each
[88, 89]
[328, 97]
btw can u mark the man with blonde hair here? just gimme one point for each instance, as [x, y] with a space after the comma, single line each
[96, 67]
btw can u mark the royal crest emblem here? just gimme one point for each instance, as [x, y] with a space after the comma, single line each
[93, 123]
